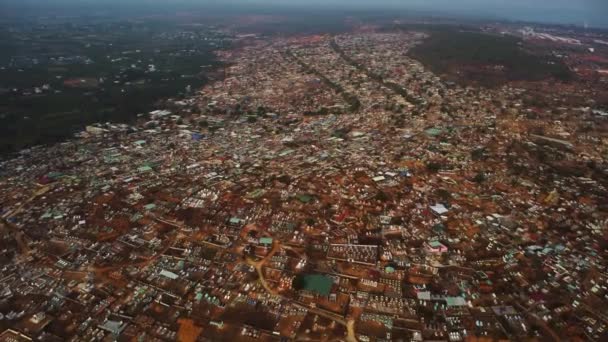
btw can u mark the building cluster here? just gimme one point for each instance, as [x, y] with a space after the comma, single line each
[328, 187]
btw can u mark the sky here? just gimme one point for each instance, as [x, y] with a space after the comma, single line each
[578, 12]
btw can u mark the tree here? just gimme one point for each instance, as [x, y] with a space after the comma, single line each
[381, 196]
[298, 282]
[478, 154]
[443, 194]
[433, 167]
[479, 178]
[261, 111]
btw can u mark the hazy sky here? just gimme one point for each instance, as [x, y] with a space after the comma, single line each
[594, 12]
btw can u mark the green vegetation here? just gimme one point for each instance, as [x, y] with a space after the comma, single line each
[378, 78]
[433, 167]
[126, 67]
[317, 283]
[352, 100]
[489, 59]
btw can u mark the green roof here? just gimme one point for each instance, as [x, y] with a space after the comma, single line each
[433, 131]
[256, 193]
[136, 217]
[144, 168]
[318, 283]
[266, 241]
[54, 174]
[286, 152]
[150, 206]
[305, 198]
[455, 301]
[438, 228]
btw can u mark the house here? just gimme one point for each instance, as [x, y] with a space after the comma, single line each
[114, 327]
[439, 209]
[435, 247]
[169, 274]
[10, 335]
[266, 241]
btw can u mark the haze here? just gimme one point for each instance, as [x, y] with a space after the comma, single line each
[578, 12]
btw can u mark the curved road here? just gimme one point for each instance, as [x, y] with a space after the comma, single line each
[349, 323]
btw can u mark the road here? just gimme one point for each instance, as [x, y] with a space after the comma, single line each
[554, 336]
[20, 236]
[276, 246]
[102, 272]
[349, 323]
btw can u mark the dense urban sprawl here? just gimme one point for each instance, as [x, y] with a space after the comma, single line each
[327, 187]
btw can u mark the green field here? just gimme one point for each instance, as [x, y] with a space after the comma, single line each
[114, 58]
[317, 283]
[485, 58]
